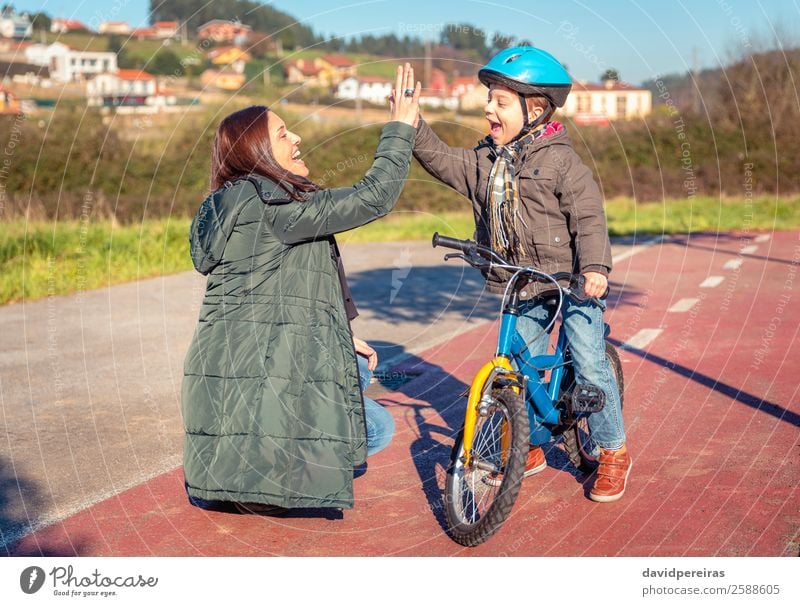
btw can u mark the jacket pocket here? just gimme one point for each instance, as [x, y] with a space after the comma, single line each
[552, 246]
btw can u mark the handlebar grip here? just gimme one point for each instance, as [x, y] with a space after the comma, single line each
[447, 242]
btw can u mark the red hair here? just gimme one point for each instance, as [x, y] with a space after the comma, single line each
[242, 148]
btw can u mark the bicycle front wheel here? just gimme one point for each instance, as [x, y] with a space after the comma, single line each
[479, 495]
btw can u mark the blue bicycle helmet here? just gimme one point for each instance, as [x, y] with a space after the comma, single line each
[529, 71]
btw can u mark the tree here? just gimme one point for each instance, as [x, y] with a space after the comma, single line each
[40, 21]
[610, 74]
[465, 37]
[165, 62]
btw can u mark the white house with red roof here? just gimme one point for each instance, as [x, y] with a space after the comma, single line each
[590, 103]
[64, 26]
[166, 30]
[373, 89]
[220, 30]
[127, 88]
[67, 64]
[120, 28]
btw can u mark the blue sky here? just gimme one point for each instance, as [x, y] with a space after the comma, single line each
[640, 38]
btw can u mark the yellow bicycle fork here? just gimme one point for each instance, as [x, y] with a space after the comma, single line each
[476, 391]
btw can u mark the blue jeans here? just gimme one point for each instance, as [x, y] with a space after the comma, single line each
[585, 329]
[380, 424]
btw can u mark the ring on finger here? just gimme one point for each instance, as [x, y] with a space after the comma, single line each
[409, 92]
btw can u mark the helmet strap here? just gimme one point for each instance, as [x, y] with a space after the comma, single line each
[529, 126]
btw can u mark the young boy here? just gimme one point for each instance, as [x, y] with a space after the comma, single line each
[537, 204]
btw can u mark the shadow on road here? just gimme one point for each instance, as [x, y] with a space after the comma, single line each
[19, 499]
[433, 392]
[737, 395]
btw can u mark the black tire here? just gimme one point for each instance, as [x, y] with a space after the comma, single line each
[581, 434]
[475, 508]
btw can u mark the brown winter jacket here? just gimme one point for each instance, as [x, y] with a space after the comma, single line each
[560, 202]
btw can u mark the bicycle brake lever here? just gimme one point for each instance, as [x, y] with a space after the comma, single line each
[449, 256]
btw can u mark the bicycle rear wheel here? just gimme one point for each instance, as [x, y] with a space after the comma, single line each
[476, 507]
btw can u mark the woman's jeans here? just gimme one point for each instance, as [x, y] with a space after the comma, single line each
[585, 329]
[380, 424]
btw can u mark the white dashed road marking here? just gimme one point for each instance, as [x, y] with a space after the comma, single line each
[642, 339]
[733, 264]
[712, 281]
[683, 305]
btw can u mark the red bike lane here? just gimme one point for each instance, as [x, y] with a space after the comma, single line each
[712, 416]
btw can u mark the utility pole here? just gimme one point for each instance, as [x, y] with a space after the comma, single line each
[428, 64]
[695, 80]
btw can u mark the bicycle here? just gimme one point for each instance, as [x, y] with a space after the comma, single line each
[509, 405]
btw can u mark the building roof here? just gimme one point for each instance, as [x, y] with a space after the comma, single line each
[608, 85]
[143, 31]
[338, 60]
[220, 22]
[465, 81]
[70, 23]
[134, 74]
[306, 67]
[166, 24]
[17, 68]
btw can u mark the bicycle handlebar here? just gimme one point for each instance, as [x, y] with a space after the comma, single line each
[471, 248]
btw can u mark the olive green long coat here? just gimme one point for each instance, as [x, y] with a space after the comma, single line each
[271, 402]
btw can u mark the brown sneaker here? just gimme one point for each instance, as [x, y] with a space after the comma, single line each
[612, 475]
[535, 463]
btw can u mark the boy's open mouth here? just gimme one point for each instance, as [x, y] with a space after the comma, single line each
[495, 127]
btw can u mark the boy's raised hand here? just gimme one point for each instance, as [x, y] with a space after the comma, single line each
[404, 107]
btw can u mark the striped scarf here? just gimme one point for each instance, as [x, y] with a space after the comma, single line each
[503, 197]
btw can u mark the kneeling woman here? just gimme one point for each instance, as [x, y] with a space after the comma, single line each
[272, 406]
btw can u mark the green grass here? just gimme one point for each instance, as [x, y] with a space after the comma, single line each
[698, 214]
[44, 259]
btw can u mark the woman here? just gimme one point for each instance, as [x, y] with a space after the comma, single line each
[272, 406]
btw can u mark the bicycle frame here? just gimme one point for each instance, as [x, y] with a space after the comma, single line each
[541, 398]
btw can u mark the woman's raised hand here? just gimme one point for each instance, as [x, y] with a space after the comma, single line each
[404, 101]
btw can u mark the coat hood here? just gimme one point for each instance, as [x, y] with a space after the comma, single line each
[214, 222]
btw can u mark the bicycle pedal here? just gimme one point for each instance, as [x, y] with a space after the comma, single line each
[587, 399]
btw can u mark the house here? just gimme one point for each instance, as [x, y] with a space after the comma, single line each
[220, 30]
[9, 104]
[303, 71]
[590, 103]
[338, 67]
[143, 33]
[129, 91]
[373, 89]
[223, 79]
[13, 25]
[166, 30]
[120, 28]
[232, 56]
[64, 26]
[470, 92]
[329, 70]
[438, 100]
[125, 87]
[67, 64]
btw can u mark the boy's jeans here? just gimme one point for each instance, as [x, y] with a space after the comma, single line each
[586, 337]
[380, 424]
